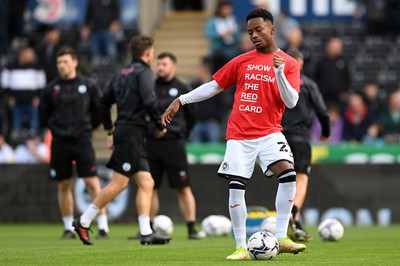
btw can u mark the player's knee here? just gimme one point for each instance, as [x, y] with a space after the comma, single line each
[65, 185]
[286, 176]
[92, 184]
[145, 182]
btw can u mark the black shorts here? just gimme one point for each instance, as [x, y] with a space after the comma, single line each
[66, 152]
[302, 156]
[168, 157]
[129, 155]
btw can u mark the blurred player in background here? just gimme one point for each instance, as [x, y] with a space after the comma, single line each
[132, 90]
[167, 155]
[296, 123]
[69, 108]
[267, 80]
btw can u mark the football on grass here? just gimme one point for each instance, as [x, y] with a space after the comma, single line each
[330, 230]
[262, 245]
[216, 225]
[163, 224]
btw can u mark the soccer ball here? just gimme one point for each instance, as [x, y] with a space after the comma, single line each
[163, 224]
[269, 224]
[262, 245]
[216, 225]
[330, 230]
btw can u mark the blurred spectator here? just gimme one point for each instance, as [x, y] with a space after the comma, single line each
[375, 135]
[332, 73]
[261, 4]
[381, 16]
[336, 125]
[374, 13]
[245, 43]
[285, 24]
[23, 81]
[6, 151]
[3, 29]
[294, 40]
[390, 118]
[47, 51]
[208, 127]
[223, 31]
[375, 97]
[357, 118]
[32, 151]
[102, 27]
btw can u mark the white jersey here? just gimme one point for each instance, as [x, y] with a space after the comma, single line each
[241, 155]
[23, 155]
[6, 154]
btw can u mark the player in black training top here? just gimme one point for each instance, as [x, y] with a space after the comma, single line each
[296, 125]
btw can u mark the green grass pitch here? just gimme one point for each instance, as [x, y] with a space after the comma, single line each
[39, 244]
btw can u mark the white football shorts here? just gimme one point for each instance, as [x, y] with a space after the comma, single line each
[241, 155]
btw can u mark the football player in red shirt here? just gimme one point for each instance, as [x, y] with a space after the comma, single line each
[267, 81]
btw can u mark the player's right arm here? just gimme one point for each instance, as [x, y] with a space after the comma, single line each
[45, 108]
[201, 93]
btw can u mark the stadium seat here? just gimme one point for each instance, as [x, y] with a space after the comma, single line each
[355, 29]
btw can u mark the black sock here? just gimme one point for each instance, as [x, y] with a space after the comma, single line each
[151, 225]
[294, 211]
[298, 225]
[190, 226]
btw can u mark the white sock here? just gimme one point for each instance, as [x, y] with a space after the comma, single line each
[68, 222]
[88, 216]
[144, 225]
[102, 222]
[238, 215]
[284, 204]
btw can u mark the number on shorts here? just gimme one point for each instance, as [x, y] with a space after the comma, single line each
[283, 147]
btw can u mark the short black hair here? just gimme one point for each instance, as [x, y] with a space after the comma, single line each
[67, 50]
[260, 13]
[139, 44]
[169, 55]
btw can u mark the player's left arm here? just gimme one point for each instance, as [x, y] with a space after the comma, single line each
[95, 93]
[321, 111]
[201, 93]
[289, 95]
[107, 99]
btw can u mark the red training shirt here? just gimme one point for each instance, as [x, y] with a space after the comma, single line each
[258, 108]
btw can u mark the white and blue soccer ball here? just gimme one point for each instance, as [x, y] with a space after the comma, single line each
[262, 245]
[163, 224]
[216, 225]
[330, 230]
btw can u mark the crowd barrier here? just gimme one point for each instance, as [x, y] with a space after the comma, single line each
[359, 194]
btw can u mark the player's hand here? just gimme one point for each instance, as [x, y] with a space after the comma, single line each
[110, 142]
[170, 112]
[160, 133]
[278, 60]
